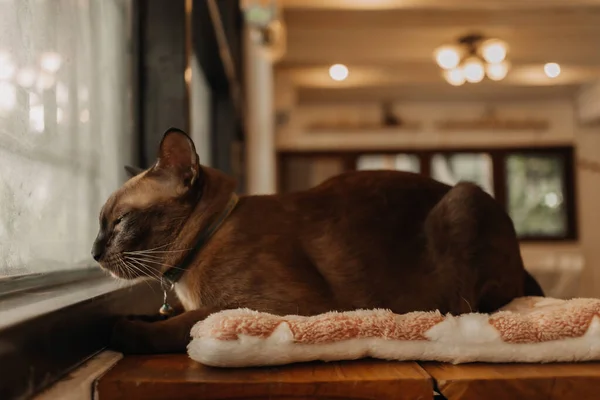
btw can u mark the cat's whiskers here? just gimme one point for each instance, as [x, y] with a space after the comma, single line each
[114, 265]
[155, 251]
[163, 246]
[144, 276]
[125, 270]
[157, 248]
[150, 256]
[119, 266]
[143, 259]
[151, 272]
[144, 269]
[131, 268]
[155, 260]
[151, 261]
[121, 270]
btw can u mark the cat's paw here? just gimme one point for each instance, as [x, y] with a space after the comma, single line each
[146, 318]
[132, 336]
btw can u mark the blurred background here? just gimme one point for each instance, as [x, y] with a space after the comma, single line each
[285, 94]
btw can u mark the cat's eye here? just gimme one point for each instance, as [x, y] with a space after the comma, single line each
[120, 219]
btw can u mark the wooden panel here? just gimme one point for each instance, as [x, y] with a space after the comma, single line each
[405, 18]
[517, 381]
[433, 92]
[177, 377]
[435, 4]
[530, 45]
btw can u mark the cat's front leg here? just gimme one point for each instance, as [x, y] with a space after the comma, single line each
[134, 336]
[146, 318]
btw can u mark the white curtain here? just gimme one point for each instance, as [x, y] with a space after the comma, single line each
[65, 126]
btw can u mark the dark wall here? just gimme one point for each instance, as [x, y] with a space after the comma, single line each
[163, 92]
[227, 138]
[162, 89]
[226, 125]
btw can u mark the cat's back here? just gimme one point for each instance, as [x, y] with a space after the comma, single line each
[365, 217]
[378, 180]
[371, 194]
[384, 207]
[364, 232]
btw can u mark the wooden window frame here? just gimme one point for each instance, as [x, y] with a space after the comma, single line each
[498, 155]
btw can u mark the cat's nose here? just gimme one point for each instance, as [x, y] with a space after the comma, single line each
[96, 253]
[98, 247]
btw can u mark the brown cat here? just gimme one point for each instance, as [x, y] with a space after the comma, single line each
[379, 239]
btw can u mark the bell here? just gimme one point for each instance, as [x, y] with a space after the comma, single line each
[166, 310]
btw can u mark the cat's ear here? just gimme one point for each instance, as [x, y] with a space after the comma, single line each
[133, 171]
[177, 154]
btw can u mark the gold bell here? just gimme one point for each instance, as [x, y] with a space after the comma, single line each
[166, 310]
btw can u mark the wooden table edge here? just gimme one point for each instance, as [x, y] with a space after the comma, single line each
[110, 380]
[455, 381]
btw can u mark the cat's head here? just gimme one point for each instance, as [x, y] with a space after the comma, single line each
[140, 220]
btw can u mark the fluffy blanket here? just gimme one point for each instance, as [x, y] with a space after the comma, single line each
[529, 329]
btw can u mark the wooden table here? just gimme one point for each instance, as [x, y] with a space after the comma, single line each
[176, 377]
[516, 381]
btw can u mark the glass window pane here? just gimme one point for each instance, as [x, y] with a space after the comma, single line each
[65, 127]
[472, 167]
[536, 188]
[398, 162]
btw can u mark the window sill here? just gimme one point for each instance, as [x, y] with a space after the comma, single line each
[32, 302]
[46, 331]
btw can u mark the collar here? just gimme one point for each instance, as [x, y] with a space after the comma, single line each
[172, 275]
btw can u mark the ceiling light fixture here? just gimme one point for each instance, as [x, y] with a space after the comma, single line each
[472, 59]
[473, 70]
[552, 70]
[447, 57]
[455, 77]
[338, 72]
[497, 72]
[493, 51]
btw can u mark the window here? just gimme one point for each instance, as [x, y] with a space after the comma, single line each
[398, 162]
[535, 185]
[451, 168]
[65, 127]
[536, 194]
[200, 105]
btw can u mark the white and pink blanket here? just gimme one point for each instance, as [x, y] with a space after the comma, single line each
[530, 329]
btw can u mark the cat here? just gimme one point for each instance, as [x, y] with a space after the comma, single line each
[360, 240]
